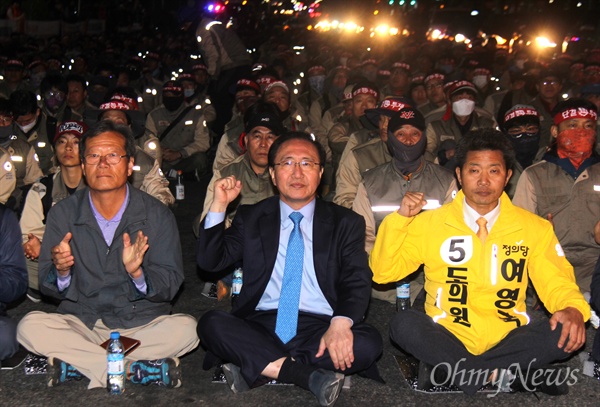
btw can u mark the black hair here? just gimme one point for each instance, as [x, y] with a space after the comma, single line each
[23, 102]
[126, 91]
[295, 135]
[484, 140]
[105, 126]
[53, 81]
[5, 107]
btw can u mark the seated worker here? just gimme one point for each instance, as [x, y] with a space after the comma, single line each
[383, 187]
[479, 253]
[361, 156]
[47, 192]
[521, 124]
[181, 129]
[263, 126]
[301, 308]
[563, 187]
[111, 255]
[13, 279]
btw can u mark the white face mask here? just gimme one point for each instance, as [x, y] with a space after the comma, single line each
[520, 63]
[463, 107]
[28, 127]
[480, 81]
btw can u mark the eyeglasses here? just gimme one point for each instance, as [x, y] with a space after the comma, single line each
[305, 165]
[5, 120]
[433, 86]
[111, 158]
[546, 83]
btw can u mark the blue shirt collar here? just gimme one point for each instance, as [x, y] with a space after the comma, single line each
[308, 211]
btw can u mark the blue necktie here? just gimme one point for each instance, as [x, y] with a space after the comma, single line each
[289, 299]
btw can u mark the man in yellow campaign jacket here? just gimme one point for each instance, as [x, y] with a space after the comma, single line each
[479, 252]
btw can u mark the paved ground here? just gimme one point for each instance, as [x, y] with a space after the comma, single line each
[18, 389]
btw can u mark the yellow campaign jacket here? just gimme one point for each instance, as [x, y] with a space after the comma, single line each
[475, 290]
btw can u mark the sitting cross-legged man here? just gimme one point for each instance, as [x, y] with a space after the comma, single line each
[111, 256]
[306, 284]
[479, 252]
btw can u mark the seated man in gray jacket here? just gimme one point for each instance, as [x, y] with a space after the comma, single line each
[102, 259]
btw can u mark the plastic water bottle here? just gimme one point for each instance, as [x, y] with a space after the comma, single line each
[236, 284]
[402, 295]
[179, 188]
[116, 365]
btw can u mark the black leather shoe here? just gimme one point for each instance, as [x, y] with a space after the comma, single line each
[326, 386]
[552, 381]
[235, 380]
[424, 377]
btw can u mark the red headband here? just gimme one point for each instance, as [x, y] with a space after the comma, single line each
[434, 76]
[365, 91]
[130, 101]
[114, 105]
[520, 112]
[401, 65]
[392, 105]
[575, 113]
[248, 83]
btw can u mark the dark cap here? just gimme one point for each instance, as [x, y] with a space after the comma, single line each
[408, 115]
[265, 119]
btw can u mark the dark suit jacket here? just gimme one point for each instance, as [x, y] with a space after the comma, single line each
[340, 259]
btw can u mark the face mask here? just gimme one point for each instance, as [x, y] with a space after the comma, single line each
[526, 146]
[446, 68]
[53, 103]
[172, 103]
[463, 107]
[243, 103]
[188, 93]
[317, 83]
[96, 97]
[6, 132]
[480, 81]
[407, 159]
[576, 144]
[36, 79]
[371, 76]
[27, 128]
[337, 92]
[520, 63]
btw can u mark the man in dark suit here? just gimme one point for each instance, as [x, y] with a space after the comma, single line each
[324, 244]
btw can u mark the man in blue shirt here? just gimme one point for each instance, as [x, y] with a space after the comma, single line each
[293, 234]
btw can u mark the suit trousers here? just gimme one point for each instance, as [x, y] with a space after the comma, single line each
[8, 337]
[251, 342]
[65, 337]
[529, 347]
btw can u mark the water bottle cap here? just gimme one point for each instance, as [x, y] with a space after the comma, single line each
[115, 335]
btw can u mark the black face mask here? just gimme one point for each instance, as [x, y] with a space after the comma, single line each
[5, 133]
[96, 97]
[407, 159]
[172, 103]
[526, 146]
